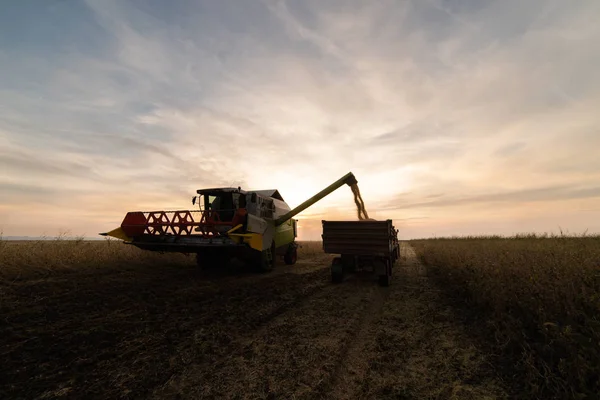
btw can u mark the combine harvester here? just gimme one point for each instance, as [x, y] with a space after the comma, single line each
[254, 226]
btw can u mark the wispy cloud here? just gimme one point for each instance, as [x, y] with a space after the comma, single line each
[517, 197]
[448, 104]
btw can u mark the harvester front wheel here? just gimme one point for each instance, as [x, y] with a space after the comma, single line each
[204, 260]
[210, 260]
[266, 259]
[291, 255]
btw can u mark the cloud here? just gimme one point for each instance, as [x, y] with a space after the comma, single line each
[22, 163]
[510, 149]
[517, 198]
[477, 103]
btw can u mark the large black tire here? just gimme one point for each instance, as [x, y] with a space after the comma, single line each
[266, 259]
[337, 270]
[291, 255]
[349, 263]
[204, 260]
[384, 280]
[211, 260]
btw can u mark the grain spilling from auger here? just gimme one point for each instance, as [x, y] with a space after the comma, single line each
[360, 204]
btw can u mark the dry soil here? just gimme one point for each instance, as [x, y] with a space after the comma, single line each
[165, 332]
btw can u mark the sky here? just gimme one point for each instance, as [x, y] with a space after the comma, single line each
[456, 117]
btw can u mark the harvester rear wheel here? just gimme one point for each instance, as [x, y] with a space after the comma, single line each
[291, 255]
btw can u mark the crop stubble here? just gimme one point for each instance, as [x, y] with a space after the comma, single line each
[167, 331]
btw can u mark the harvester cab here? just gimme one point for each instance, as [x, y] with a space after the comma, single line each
[256, 226]
[221, 205]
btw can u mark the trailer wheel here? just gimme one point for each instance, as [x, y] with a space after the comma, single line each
[384, 280]
[337, 270]
[349, 263]
[291, 255]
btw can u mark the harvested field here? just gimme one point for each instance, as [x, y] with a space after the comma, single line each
[122, 323]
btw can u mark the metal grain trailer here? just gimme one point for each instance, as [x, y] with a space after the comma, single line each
[366, 245]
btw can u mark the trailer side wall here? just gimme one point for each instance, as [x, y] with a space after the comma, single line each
[373, 238]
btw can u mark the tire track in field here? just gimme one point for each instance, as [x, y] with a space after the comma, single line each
[241, 336]
[289, 354]
[422, 347]
[299, 336]
[353, 362]
[263, 326]
[237, 273]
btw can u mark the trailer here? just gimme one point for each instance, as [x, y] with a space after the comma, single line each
[366, 245]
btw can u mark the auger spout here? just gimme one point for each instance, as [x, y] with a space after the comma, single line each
[348, 179]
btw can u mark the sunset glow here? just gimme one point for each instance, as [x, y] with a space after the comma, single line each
[456, 117]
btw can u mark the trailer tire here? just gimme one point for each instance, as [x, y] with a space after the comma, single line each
[337, 270]
[384, 280]
[291, 255]
[349, 263]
